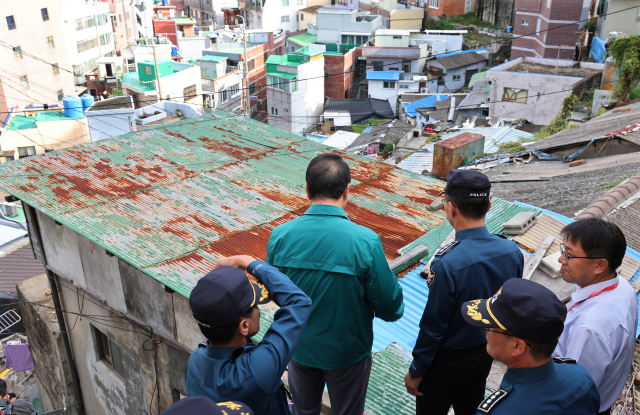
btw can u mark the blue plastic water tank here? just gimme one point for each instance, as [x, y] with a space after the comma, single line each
[174, 51]
[87, 101]
[165, 2]
[72, 106]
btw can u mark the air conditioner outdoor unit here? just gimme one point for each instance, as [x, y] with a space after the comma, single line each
[423, 90]
[9, 209]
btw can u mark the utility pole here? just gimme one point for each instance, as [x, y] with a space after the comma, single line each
[155, 59]
[245, 72]
[126, 26]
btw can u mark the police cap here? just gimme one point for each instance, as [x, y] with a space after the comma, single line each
[201, 405]
[522, 307]
[467, 184]
[224, 295]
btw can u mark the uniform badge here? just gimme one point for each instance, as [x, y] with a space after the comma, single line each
[431, 277]
[492, 400]
[448, 247]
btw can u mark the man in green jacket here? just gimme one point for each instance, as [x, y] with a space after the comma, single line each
[341, 266]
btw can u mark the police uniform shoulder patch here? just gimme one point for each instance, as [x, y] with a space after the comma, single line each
[492, 400]
[448, 247]
[431, 276]
[564, 360]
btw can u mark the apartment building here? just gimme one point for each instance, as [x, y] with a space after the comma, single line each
[221, 83]
[547, 28]
[295, 90]
[32, 30]
[274, 14]
[345, 26]
[130, 21]
[260, 45]
[88, 34]
[207, 12]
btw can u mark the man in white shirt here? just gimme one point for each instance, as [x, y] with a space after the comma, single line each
[602, 318]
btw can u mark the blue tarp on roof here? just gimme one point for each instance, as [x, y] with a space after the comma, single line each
[410, 109]
[461, 52]
[383, 76]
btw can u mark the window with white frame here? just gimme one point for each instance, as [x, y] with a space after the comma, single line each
[274, 111]
[403, 86]
[524, 22]
[285, 3]
[224, 96]
[388, 85]
[456, 77]
[235, 90]
[548, 4]
[538, 27]
[147, 70]
[284, 19]
[434, 4]
[300, 3]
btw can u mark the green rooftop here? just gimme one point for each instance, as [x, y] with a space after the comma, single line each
[213, 58]
[286, 60]
[304, 39]
[333, 49]
[185, 20]
[20, 122]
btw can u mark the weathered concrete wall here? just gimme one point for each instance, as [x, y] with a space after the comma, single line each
[46, 346]
[498, 12]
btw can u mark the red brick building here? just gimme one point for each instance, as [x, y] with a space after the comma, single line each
[543, 29]
[445, 8]
[341, 68]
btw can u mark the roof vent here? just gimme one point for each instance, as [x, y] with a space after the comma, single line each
[9, 209]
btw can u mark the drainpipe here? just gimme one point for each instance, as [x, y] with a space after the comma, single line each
[77, 391]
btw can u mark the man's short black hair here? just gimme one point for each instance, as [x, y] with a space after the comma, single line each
[219, 336]
[599, 239]
[327, 177]
[470, 207]
[541, 351]
[3, 388]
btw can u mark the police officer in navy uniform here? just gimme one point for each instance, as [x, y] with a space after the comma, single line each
[522, 322]
[201, 405]
[450, 362]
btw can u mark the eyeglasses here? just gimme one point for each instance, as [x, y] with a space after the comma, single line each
[567, 256]
[487, 330]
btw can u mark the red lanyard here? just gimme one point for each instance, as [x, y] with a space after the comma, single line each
[604, 290]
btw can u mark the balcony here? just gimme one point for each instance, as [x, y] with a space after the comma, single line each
[231, 69]
[131, 79]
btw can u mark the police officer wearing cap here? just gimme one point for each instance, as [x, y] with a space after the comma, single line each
[450, 362]
[229, 366]
[522, 322]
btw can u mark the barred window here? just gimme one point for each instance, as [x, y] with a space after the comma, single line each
[190, 92]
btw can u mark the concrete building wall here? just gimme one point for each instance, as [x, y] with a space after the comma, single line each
[446, 8]
[274, 15]
[406, 19]
[333, 22]
[544, 99]
[340, 119]
[30, 35]
[191, 47]
[225, 82]
[395, 64]
[308, 101]
[377, 90]
[120, 302]
[47, 135]
[109, 123]
[391, 40]
[498, 12]
[614, 21]
[305, 19]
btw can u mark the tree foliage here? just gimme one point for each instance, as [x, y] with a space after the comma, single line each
[561, 121]
[626, 54]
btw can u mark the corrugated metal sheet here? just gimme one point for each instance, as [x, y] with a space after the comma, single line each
[547, 225]
[493, 137]
[173, 199]
[386, 394]
[501, 211]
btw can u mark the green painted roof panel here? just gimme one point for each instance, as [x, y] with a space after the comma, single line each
[303, 39]
[173, 199]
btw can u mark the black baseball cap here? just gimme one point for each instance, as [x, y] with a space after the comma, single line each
[524, 308]
[201, 405]
[467, 184]
[224, 295]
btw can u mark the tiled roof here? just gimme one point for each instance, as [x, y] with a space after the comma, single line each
[360, 109]
[460, 60]
[173, 199]
[383, 76]
[600, 126]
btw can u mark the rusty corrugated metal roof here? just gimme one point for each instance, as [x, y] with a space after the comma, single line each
[173, 199]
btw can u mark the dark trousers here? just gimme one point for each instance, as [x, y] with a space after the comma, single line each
[456, 377]
[607, 412]
[347, 388]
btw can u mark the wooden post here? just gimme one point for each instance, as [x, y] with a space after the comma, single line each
[537, 257]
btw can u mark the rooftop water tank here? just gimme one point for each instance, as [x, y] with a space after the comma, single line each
[72, 106]
[165, 2]
[87, 101]
[174, 51]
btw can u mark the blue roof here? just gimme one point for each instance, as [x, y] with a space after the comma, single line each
[460, 52]
[383, 76]
[410, 109]
[366, 130]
